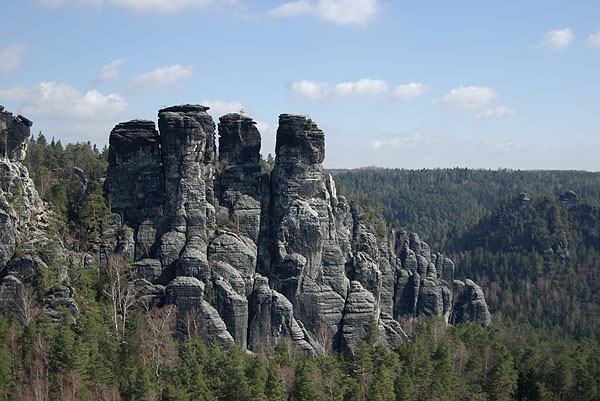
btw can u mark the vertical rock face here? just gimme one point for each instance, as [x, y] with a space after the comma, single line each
[240, 173]
[188, 154]
[135, 182]
[14, 132]
[261, 259]
[307, 261]
[21, 212]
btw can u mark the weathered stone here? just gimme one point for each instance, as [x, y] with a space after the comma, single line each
[220, 223]
[135, 184]
[237, 251]
[149, 269]
[187, 140]
[193, 261]
[470, 303]
[62, 297]
[233, 309]
[430, 301]
[186, 293]
[390, 331]
[14, 132]
[360, 307]
[272, 319]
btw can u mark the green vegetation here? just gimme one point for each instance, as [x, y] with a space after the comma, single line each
[541, 346]
[537, 261]
[440, 204]
[69, 179]
[88, 361]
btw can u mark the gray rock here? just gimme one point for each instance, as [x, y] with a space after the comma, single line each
[237, 251]
[14, 132]
[360, 307]
[135, 183]
[272, 319]
[219, 223]
[62, 297]
[186, 293]
[470, 303]
[233, 309]
[148, 269]
[193, 261]
[390, 331]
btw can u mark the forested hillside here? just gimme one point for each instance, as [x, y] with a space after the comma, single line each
[538, 260]
[536, 256]
[118, 351]
[440, 204]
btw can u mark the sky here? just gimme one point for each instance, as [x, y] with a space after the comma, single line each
[402, 84]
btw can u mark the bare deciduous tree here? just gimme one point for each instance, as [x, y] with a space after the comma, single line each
[28, 306]
[324, 337]
[192, 323]
[120, 292]
[158, 342]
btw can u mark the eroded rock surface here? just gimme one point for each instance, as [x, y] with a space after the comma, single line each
[261, 258]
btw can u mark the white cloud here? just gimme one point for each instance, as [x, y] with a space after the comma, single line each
[323, 91]
[59, 3]
[65, 112]
[10, 58]
[361, 88]
[495, 113]
[397, 142]
[168, 6]
[593, 40]
[468, 97]
[110, 71]
[61, 102]
[342, 12]
[408, 91]
[310, 89]
[292, 9]
[558, 39]
[145, 6]
[219, 108]
[165, 78]
[353, 12]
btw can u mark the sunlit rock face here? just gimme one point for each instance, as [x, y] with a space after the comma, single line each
[258, 258]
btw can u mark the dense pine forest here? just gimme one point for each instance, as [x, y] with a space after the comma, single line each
[542, 344]
[529, 238]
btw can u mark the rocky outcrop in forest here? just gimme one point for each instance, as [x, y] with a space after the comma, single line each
[244, 255]
[24, 244]
[258, 258]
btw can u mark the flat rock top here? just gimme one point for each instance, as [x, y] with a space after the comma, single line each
[135, 125]
[185, 108]
[133, 133]
[230, 117]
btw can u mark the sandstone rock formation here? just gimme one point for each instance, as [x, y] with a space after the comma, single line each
[243, 255]
[23, 220]
[260, 259]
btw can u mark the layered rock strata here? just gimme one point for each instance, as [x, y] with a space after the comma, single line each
[257, 258]
[23, 221]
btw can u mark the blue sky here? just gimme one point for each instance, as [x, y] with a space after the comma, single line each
[478, 84]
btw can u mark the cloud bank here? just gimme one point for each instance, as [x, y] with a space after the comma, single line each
[355, 89]
[165, 78]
